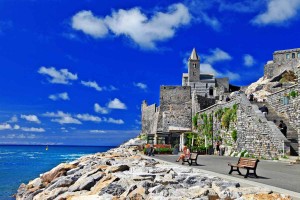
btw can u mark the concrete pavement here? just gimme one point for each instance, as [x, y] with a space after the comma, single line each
[278, 176]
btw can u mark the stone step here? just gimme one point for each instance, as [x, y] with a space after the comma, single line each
[292, 134]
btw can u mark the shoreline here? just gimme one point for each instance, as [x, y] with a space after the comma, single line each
[124, 173]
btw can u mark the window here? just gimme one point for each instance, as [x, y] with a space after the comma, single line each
[298, 55]
[211, 91]
[194, 85]
[195, 65]
[206, 85]
[205, 94]
[293, 55]
[287, 56]
[160, 140]
[150, 139]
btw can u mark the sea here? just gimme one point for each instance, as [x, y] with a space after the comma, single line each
[20, 164]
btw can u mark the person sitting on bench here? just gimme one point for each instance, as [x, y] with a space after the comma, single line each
[186, 154]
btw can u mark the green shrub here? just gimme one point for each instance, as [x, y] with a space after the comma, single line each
[293, 94]
[163, 150]
[234, 135]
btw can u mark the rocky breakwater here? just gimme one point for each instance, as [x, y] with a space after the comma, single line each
[123, 173]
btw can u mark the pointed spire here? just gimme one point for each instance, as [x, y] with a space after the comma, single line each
[194, 55]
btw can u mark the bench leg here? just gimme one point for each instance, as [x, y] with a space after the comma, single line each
[247, 174]
[255, 174]
[231, 170]
[238, 170]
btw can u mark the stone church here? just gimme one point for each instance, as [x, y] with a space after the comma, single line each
[164, 124]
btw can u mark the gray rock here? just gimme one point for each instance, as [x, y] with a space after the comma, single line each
[86, 182]
[113, 189]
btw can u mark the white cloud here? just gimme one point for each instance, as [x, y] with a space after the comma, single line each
[97, 131]
[5, 127]
[32, 129]
[113, 121]
[110, 88]
[86, 22]
[142, 86]
[116, 104]
[16, 127]
[134, 24]
[62, 76]
[210, 21]
[31, 118]
[13, 119]
[278, 12]
[92, 84]
[217, 55]
[88, 117]
[207, 68]
[62, 118]
[63, 96]
[100, 109]
[248, 60]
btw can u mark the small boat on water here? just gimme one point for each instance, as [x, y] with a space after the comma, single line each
[47, 148]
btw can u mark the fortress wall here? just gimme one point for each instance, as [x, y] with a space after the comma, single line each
[255, 133]
[260, 137]
[175, 107]
[290, 110]
[149, 119]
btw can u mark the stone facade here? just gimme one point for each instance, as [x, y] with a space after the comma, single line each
[172, 117]
[203, 84]
[254, 133]
[282, 60]
[179, 103]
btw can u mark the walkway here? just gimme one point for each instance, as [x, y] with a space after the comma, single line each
[273, 173]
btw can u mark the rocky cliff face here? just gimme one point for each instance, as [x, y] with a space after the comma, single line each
[123, 173]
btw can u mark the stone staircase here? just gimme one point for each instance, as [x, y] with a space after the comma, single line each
[292, 134]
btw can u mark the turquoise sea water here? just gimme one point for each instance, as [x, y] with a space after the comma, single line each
[20, 164]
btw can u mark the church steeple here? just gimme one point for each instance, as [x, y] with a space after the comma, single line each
[194, 67]
[194, 55]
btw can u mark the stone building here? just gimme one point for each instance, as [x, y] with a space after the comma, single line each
[178, 104]
[282, 60]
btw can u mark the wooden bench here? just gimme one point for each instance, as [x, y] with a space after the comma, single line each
[246, 163]
[192, 159]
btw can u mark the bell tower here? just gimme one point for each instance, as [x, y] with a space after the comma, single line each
[194, 67]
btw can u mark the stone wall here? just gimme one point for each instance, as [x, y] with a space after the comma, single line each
[288, 110]
[254, 133]
[149, 118]
[281, 62]
[175, 108]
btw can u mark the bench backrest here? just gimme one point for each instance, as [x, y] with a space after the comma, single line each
[193, 156]
[249, 162]
[162, 146]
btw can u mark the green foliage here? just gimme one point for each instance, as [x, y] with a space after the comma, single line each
[234, 135]
[163, 150]
[195, 121]
[230, 115]
[293, 94]
[243, 153]
[285, 157]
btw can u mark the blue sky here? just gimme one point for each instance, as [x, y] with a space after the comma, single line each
[76, 71]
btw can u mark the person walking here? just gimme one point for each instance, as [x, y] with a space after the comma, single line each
[218, 147]
[283, 128]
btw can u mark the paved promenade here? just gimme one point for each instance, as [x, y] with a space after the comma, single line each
[273, 173]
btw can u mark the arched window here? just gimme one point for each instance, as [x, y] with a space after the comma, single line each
[287, 56]
[293, 55]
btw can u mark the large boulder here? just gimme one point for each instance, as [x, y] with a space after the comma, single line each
[57, 171]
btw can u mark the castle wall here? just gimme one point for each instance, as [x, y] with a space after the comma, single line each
[282, 62]
[175, 107]
[149, 119]
[254, 133]
[202, 88]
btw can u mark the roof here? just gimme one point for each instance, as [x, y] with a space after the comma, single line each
[194, 55]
